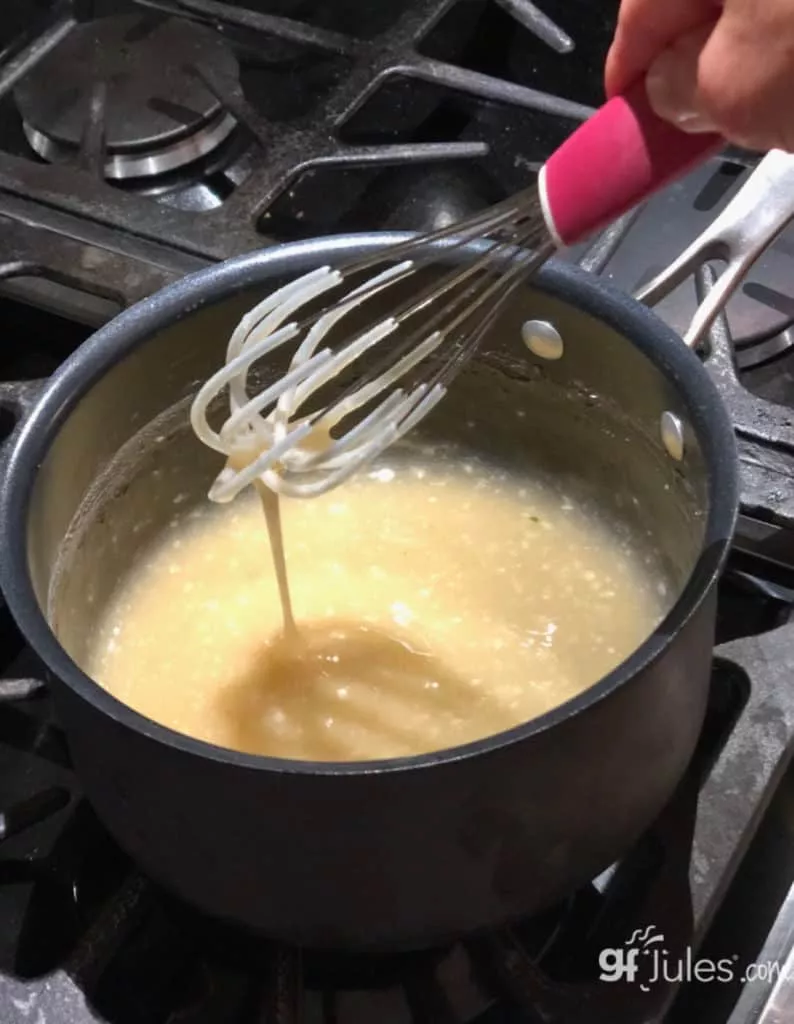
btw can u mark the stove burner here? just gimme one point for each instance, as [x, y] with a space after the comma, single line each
[760, 351]
[138, 76]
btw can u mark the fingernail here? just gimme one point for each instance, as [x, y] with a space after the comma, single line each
[671, 84]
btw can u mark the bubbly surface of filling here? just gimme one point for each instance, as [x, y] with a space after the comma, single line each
[434, 607]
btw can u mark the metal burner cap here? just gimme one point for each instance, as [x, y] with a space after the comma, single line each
[158, 114]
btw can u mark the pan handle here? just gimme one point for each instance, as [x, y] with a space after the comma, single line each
[753, 219]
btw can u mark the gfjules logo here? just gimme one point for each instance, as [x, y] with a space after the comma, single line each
[644, 960]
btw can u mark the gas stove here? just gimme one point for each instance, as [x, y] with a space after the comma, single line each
[142, 140]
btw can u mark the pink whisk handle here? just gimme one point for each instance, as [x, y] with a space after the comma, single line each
[620, 156]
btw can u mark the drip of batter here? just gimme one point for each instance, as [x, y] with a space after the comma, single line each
[272, 509]
[436, 603]
[317, 440]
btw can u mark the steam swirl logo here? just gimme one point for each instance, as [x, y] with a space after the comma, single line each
[624, 964]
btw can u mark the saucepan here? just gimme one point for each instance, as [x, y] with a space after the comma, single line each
[410, 851]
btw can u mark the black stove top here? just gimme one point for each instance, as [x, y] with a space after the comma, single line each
[142, 140]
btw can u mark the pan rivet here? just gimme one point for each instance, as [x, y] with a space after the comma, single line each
[672, 431]
[543, 339]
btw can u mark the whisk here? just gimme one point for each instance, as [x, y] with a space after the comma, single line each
[613, 161]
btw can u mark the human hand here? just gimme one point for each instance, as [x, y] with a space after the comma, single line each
[712, 66]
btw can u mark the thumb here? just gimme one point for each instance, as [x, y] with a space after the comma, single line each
[672, 83]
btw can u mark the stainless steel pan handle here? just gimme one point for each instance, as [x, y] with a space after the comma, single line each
[756, 215]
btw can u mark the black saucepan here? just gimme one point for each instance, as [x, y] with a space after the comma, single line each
[408, 851]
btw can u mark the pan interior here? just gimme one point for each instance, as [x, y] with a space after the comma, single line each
[125, 462]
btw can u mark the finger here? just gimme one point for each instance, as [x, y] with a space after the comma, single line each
[673, 86]
[745, 80]
[646, 28]
[736, 79]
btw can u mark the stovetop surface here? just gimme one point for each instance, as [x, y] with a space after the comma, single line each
[409, 115]
[410, 118]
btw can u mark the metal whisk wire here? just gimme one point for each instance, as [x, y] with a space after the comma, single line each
[266, 437]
